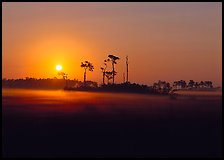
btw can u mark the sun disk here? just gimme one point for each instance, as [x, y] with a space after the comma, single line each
[58, 67]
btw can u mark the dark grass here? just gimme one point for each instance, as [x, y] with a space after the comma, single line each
[111, 125]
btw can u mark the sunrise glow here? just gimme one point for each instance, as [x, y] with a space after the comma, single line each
[58, 67]
[157, 37]
[87, 79]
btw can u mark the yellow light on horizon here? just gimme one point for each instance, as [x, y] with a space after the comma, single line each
[58, 67]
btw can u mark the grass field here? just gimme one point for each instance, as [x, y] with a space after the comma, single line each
[90, 124]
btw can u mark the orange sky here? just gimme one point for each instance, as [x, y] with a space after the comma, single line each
[164, 41]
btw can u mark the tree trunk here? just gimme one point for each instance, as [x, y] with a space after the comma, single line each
[113, 72]
[103, 77]
[127, 68]
[85, 76]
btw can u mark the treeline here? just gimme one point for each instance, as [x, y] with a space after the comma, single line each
[122, 87]
[165, 87]
[33, 83]
[160, 87]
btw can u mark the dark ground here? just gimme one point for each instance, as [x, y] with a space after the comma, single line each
[110, 125]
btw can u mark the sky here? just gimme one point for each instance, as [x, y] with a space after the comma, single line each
[164, 41]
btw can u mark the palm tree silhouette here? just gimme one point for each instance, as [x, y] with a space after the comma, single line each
[113, 60]
[87, 65]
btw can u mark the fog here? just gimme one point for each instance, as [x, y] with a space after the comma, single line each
[60, 123]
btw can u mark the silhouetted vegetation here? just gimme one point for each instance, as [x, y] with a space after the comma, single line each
[33, 83]
[113, 59]
[109, 75]
[123, 87]
[103, 69]
[128, 87]
[87, 65]
[64, 76]
[181, 84]
[160, 87]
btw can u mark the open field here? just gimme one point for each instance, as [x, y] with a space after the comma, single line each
[90, 124]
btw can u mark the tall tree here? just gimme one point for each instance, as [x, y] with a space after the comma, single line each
[103, 69]
[87, 65]
[127, 69]
[113, 59]
[109, 76]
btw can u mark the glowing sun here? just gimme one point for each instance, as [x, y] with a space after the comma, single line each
[58, 67]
